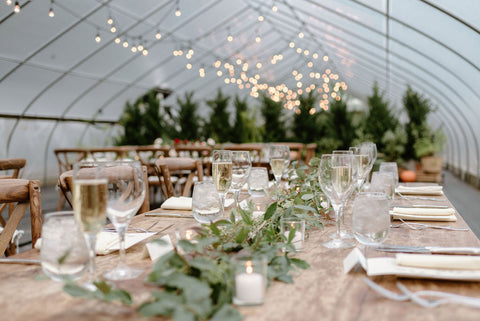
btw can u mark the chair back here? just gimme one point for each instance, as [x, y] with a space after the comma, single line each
[180, 167]
[22, 193]
[15, 165]
[296, 150]
[254, 149]
[65, 182]
[310, 152]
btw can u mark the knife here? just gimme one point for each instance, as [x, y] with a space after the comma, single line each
[430, 249]
[170, 215]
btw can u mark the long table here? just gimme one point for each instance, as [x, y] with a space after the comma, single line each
[323, 292]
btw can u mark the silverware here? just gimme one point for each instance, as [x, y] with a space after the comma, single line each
[410, 198]
[19, 261]
[429, 249]
[421, 226]
[421, 206]
[170, 215]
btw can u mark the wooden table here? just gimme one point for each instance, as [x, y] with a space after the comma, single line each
[322, 292]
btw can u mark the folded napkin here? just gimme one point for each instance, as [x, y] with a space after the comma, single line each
[178, 203]
[420, 190]
[424, 214]
[108, 242]
[157, 249]
[447, 262]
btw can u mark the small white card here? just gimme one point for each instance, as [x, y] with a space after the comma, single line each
[156, 250]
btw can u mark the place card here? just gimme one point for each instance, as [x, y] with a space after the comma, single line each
[157, 249]
[108, 242]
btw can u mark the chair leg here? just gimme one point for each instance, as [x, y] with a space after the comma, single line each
[35, 210]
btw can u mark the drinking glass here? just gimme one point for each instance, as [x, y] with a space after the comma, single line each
[258, 181]
[383, 182]
[126, 193]
[222, 173]
[369, 148]
[337, 183]
[363, 157]
[371, 218]
[279, 156]
[90, 206]
[241, 165]
[392, 168]
[206, 203]
[64, 253]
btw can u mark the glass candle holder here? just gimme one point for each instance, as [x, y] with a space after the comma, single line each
[250, 281]
[258, 181]
[259, 209]
[296, 226]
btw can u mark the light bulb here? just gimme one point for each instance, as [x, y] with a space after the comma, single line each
[158, 35]
[51, 14]
[133, 49]
[230, 38]
[98, 38]
[125, 44]
[16, 9]
[145, 52]
[117, 40]
[9, 2]
[113, 29]
[274, 8]
[260, 18]
[178, 13]
[258, 39]
[110, 21]
[140, 47]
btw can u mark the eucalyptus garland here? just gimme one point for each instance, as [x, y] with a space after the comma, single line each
[195, 280]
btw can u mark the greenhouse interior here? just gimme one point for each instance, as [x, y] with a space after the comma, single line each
[161, 83]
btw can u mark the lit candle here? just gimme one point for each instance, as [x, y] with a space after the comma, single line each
[258, 210]
[249, 286]
[297, 240]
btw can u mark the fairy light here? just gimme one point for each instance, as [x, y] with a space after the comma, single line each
[98, 39]
[16, 9]
[229, 36]
[291, 44]
[158, 35]
[145, 52]
[134, 49]
[178, 13]
[117, 40]
[125, 44]
[189, 66]
[300, 35]
[9, 2]
[51, 14]
[113, 29]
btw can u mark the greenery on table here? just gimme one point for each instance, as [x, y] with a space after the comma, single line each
[195, 281]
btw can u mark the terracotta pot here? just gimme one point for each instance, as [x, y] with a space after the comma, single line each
[408, 176]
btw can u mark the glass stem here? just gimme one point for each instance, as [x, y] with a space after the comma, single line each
[91, 241]
[121, 235]
[236, 195]
[338, 210]
[222, 203]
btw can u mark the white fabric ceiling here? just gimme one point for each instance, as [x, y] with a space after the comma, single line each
[53, 72]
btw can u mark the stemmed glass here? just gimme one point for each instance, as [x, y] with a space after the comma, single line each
[241, 165]
[90, 207]
[369, 148]
[222, 173]
[337, 182]
[279, 156]
[363, 157]
[125, 195]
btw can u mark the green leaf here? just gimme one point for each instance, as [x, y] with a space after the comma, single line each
[103, 286]
[287, 278]
[120, 295]
[307, 197]
[246, 217]
[181, 314]
[270, 211]
[187, 246]
[291, 235]
[214, 229]
[305, 208]
[242, 235]
[62, 259]
[302, 264]
[76, 290]
[227, 313]
[157, 308]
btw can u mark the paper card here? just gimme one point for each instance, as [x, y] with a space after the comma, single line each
[156, 250]
[353, 259]
[108, 242]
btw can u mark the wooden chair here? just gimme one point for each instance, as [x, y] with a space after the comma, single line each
[65, 182]
[254, 149]
[110, 153]
[296, 150]
[66, 157]
[180, 166]
[200, 152]
[22, 193]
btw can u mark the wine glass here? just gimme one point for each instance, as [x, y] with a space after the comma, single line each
[279, 156]
[222, 173]
[371, 218]
[241, 165]
[363, 157]
[125, 195]
[369, 148]
[337, 182]
[90, 207]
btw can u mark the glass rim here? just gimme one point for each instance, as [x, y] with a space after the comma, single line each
[372, 194]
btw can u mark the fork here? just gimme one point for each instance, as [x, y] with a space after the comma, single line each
[417, 297]
[132, 228]
[420, 226]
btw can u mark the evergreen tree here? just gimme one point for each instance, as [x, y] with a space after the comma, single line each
[274, 128]
[188, 120]
[240, 127]
[306, 125]
[340, 126]
[379, 119]
[219, 127]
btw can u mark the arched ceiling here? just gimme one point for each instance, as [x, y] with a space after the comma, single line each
[54, 74]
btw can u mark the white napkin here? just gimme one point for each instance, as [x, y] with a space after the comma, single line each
[228, 202]
[108, 242]
[178, 203]
[156, 250]
[424, 214]
[420, 190]
[448, 262]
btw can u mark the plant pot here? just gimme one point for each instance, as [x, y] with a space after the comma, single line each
[432, 164]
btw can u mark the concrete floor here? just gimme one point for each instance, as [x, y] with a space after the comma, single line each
[464, 197]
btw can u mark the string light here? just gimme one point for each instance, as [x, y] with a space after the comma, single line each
[145, 52]
[110, 20]
[158, 35]
[113, 29]
[9, 2]
[229, 37]
[16, 9]
[134, 49]
[98, 38]
[178, 13]
[125, 44]
[140, 47]
[117, 40]
[51, 14]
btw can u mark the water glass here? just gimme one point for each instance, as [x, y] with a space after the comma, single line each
[390, 167]
[287, 225]
[250, 281]
[64, 252]
[258, 181]
[371, 218]
[383, 183]
[206, 204]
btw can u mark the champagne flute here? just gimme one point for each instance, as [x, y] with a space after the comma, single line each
[222, 173]
[371, 149]
[279, 156]
[90, 207]
[241, 165]
[363, 157]
[126, 193]
[336, 181]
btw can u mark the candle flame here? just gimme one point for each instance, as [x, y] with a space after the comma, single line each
[248, 267]
[292, 225]
[189, 234]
